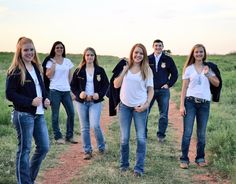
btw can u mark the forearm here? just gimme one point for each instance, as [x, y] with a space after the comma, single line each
[50, 71]
[119, 79]
[214, 81]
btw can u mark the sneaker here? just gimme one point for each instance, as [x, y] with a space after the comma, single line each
[72, 141]
[137, 174]
[202, 164]
[160, 139]
[183, 165]
[88, 156]
[124, 169]
[60, 141]
[101, 152]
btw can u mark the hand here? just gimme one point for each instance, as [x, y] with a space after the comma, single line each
[37, 101]
[73, 97]
[95, 96]
[205, 70]
[82, 95]
[182, 111]
[165, 86]
[46, 102]
[141, 108]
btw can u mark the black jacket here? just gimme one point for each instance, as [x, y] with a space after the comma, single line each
[22, 96]
[167, 72]
[114, 93]
[100, 81]
[215, 91]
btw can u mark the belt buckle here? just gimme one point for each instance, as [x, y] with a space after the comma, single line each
[197, 100]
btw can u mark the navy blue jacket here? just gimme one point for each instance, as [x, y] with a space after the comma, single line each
[22, 96]
[114, 93]
[167, 72]
[215, 91]
[100, 81]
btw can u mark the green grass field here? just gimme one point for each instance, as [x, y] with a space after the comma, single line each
[162, 161]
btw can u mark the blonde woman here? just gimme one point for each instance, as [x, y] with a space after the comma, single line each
[136, 82]
[195, 102]
[25, 88]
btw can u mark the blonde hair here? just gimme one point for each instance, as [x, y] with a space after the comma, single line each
[17, 62]
[190, 60]
[144, 66]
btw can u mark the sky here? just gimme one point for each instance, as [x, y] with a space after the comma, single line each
[112, 27]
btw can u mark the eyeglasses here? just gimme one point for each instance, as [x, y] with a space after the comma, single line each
[59, 47]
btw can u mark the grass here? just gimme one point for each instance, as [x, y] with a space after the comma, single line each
[162, 161]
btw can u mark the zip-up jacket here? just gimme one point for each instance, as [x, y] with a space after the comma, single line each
[166, 73]
[114, 93]
[215, 91]
[22, 95]
[100, 82]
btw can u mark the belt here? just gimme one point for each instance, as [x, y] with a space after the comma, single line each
[197, 100]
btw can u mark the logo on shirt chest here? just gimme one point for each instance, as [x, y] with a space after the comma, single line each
[98, 78]
[163, 65]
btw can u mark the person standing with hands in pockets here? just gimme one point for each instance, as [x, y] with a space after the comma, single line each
[25, 88]
[165, 75]
[195, 102]
[136, 82]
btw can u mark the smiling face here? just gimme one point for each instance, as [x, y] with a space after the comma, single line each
[138, 55]
[59, 49]
[158, 47]
[199, 53]
[27, 52]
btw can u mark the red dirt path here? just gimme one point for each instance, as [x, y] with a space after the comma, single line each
[71, 161]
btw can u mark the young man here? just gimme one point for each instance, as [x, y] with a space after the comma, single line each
[165, 75]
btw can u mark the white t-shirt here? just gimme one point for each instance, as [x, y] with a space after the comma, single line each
[199, 85]
[89, 88]
[39, 109]
[134, 89]
[60, 79]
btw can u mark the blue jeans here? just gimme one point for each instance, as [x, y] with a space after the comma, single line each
[140, 119]
[201, 112]
[30, 126]
[64, 97]
[162, 96]
[89, 116]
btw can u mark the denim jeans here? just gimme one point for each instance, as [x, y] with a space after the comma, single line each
[64, 97]
[30, 126]
[89, 117]
[201, 112]
[162, 96]
[125, 117]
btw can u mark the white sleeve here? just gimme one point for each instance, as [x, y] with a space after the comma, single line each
[186, 74]
[49, 64]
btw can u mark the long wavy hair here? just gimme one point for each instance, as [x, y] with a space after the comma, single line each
[83, 62]
[144, 66]
[17, 62]
[190, 60]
